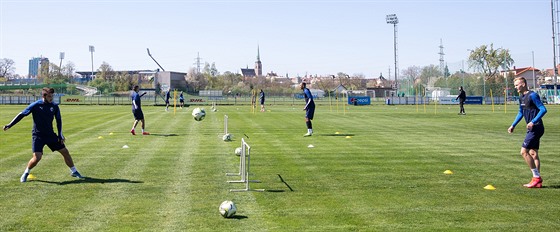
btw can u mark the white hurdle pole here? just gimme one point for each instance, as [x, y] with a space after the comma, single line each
[225, 124]
[245, 159]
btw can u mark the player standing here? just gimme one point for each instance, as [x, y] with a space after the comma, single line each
[181, 100]
[137, 110]
[167, 96]
[44, 112]
[261, 98]
[309, 108]
[532, 109]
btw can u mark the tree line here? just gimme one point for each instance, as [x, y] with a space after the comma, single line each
[485, 60]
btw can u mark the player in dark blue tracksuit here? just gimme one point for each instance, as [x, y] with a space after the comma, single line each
[44, 111]
[309, 108]
[532, 109]
[167, 96]
[261, 98]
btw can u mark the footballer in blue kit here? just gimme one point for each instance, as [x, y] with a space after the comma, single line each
[309, 108]
[532, 109]
[137, 110]
[44, 111]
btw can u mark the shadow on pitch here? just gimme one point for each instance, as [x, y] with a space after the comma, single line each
[164, 135]
[91, 180]
[238, 217]
[343, 135]
[551, 186]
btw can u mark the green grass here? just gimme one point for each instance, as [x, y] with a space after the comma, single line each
[383, 171]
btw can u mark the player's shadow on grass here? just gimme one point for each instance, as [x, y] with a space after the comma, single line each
[92, 180]
[164, 135]
[343, 135]
[551, 186]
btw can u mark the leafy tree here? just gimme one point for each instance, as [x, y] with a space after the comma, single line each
[7, 68]
[488, 60]
[105, 72]
[429, 74]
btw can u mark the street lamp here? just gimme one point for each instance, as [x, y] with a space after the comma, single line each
[392, 19]
[91, 50]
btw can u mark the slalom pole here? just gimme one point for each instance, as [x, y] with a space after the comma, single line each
[491, 97]
[424, 100]
[174, 101]
[505, 101]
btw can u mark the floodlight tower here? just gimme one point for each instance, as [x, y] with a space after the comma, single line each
[61, 56]
[91, 50]
[392, 19]
[555, 44]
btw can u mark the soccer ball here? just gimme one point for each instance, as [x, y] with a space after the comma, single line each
[198, 114]
[227, 209]
[238, 151]
[227, 137]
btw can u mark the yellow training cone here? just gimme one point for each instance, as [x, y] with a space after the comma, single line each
[100, 137]
[31, 177]
[489, 187]
[348, 137]
[448, 172]
[111, 133]
[336, 133]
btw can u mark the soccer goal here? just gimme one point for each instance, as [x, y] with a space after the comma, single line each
[244, 163]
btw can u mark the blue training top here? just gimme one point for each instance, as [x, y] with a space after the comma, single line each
[136, 99]
[43, 115]
[531, 108]
[308, 98]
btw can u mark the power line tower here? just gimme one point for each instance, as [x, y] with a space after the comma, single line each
[197, 63]
[441, 60]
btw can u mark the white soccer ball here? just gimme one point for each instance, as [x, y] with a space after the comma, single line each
[198, 114]
[227, 137]
[227, 209]
[238, 151]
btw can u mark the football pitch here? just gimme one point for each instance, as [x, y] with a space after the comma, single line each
[370, 168]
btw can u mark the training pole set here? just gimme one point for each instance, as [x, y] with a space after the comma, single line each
[225, 124]
[244, 163]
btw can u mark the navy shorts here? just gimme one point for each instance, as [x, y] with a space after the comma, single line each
[310, 112]
[533, 137]
[138, 114]
[53, 143]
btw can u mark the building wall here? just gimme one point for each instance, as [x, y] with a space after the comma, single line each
[172, 80]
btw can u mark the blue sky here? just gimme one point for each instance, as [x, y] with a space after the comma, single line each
[295, 37]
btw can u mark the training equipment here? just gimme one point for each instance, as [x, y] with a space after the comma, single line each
[244, 161]
[238, 151]
[225, 124]
[227, 209]
[489, 187]
[198, 114]
[227, 137]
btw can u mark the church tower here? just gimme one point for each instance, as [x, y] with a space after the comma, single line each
[258, 64]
